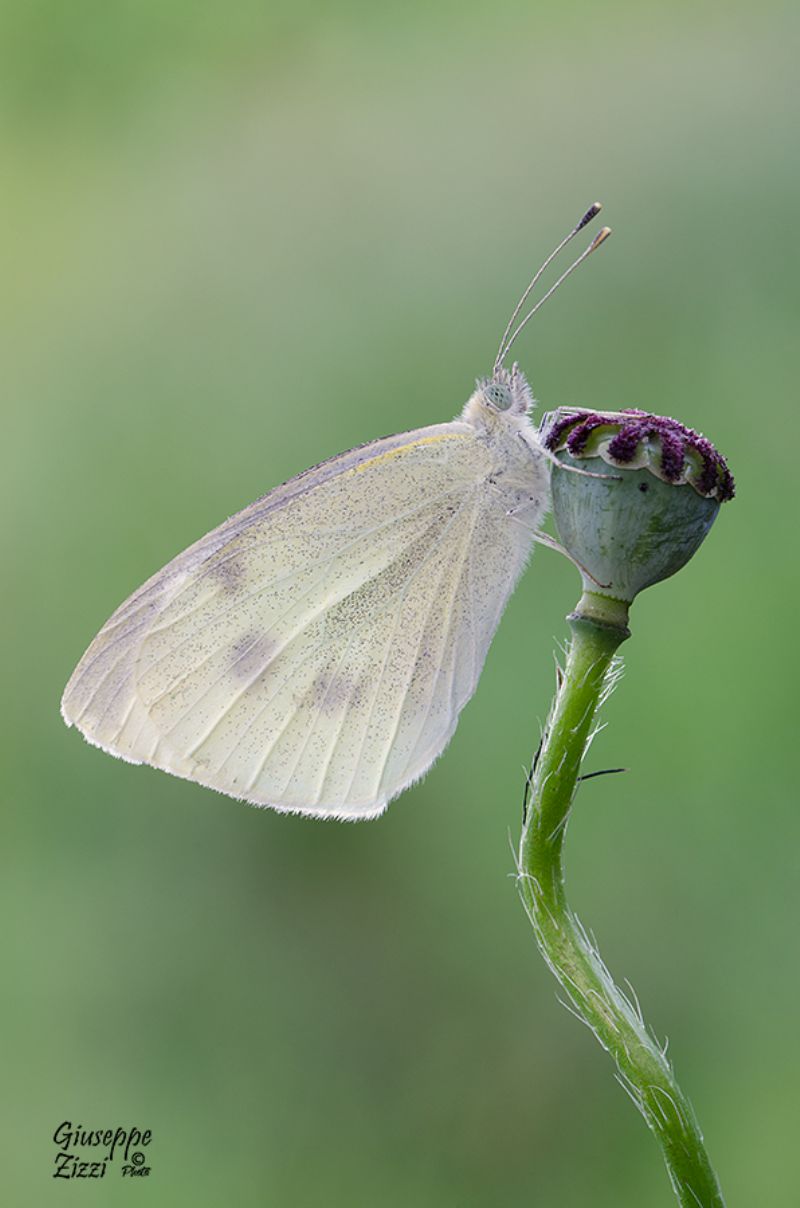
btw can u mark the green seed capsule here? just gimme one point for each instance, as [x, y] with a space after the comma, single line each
[645, 520]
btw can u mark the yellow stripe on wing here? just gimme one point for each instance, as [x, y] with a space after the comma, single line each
[414, 444]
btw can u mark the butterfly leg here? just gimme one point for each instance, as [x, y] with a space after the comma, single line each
[551, 543]
[562, 465]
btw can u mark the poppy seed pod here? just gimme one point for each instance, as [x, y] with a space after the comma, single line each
[653, 492]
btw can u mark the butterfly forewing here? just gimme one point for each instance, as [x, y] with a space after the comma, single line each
[313, 652]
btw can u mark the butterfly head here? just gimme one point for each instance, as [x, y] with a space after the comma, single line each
[505, 393]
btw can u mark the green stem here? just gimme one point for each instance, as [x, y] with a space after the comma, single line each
[598, 628]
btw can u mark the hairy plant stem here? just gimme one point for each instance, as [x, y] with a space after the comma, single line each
[598, 628]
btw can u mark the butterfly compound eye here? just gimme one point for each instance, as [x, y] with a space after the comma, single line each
[497, 395]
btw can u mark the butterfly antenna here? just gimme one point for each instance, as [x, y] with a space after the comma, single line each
[591, 213]
[599, 238]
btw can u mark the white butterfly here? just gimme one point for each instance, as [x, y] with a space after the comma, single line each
[313, 653]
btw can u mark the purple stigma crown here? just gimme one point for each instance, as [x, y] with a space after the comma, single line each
[637, 440]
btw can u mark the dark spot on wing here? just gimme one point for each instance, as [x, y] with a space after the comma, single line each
[251, 654]
[228, 571]
[332, 692]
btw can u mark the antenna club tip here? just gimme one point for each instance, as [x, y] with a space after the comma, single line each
[592, 212]
[600, 237]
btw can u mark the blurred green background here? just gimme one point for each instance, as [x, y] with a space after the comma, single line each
[238, 239]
